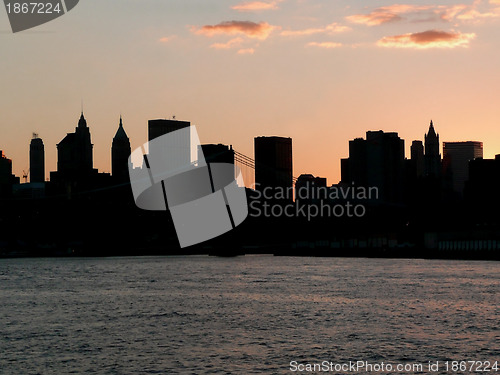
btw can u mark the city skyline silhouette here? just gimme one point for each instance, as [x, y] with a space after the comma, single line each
[48, 169]
[320, 73]
[430, 201]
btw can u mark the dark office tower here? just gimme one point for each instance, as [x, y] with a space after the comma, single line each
[74, 152]
[273, 163]
[120, 152]
[432, 155]
[417, 158]
[217, 153]
[483, 185]
[456, 158]
[378, 162]
[157, 128]
[181, 143]
[37, 160]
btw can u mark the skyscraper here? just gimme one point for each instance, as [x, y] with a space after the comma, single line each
[273, 162]
[120, 152]
[74, 152]
[37, 159]
[432, 155]
[157, 128]
[181, 142]
[417, 157]
[456, 160]
[378, 162]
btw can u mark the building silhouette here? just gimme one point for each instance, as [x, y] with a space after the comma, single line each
[483, 184]
[37, 160]
[456, 158]
[432, 155]
[7, 179]
[75, 173]
[181, 141]
[217, 153]
[377, 162]
[310, 189]
[120, 152]
[74, 152]
[417, 158]
[273, 162]
[159, 127]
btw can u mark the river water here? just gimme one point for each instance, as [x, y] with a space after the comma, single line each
[244, 315]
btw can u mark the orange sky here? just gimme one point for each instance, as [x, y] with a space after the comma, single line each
[320, 72]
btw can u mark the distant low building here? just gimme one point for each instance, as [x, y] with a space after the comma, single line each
[217, 153]
[310, 189]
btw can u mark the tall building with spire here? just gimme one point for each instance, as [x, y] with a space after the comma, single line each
[75, 173]
[37, 160]
[432, 156]
[120, 152]
[74, 152]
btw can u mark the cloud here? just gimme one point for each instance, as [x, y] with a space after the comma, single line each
[230, 44]
[424, 13]
[427, 39]
[324, 44]
[255, 6]
[387, 14]
[472, 13]
[246, 51]
[250, 29]
[166, 39]
[330, 29]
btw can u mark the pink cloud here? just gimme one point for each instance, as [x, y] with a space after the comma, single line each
[255, 6]
[166, 39]
[328, 45]
[230, 44]
[427, 39]
[250, 29]
[423, 13]
[330, 29]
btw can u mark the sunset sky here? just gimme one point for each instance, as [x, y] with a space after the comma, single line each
[321, 72]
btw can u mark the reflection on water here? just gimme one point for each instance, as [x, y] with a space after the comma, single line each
[251, 314]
